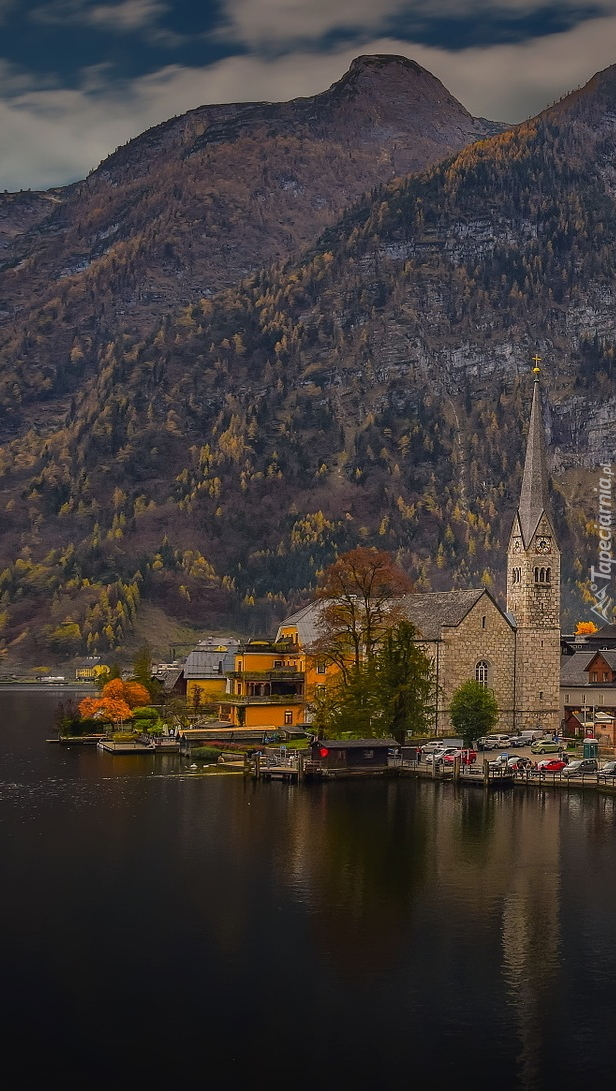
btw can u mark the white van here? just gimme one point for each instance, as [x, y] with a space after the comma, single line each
[530, 736]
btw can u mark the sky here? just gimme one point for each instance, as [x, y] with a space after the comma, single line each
[78, 78]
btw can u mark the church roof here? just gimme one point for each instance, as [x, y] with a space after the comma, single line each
[430, 611]
[534, 498]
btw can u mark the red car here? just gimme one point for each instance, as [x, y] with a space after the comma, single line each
[551, 765]
[467, 757]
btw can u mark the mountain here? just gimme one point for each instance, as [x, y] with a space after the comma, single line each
[198, 203]
[373, 390]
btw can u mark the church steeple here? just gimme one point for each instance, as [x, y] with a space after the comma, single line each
[534, 501]
[533, 585]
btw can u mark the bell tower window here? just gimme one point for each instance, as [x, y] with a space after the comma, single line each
[543, 575]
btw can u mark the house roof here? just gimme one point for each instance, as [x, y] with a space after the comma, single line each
[534, 499]
[306, 623]
[171, 678]
[203, 661]
[574, 668]
[357, 744]
[606, 632]
[607, 655]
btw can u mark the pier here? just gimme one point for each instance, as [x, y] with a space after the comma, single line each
[295, 767]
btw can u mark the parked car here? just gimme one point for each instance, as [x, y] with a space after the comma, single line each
[437, 756]
[545, 746]
[518, 763]
[467, 757]
[518, 740]
[492, 742]
[531, 735]
[430, 747]
[551, 765]
[484, 743]
[607, 770]
[581, 765]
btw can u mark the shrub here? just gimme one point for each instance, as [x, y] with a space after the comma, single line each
[205, 753]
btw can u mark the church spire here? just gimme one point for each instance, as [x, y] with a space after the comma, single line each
[534, 501]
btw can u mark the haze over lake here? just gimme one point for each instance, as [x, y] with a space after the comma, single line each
[159, 928]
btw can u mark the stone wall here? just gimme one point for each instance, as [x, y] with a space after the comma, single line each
[484, 634]
[538, 679]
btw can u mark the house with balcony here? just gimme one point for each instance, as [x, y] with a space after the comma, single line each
[301, 630]
[266, 687]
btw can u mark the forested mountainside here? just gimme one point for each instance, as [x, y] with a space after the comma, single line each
[374, 391]
[196, 204]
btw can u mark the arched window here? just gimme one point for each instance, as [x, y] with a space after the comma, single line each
[536, 574]
[481, 672]
[517, 575]
[548, 575]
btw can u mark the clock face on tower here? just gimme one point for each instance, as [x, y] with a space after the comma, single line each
[517, 545]
[544, 545]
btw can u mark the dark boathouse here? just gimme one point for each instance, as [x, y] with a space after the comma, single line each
[352, 755]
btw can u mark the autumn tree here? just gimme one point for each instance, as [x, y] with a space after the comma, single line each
[585, 628]
[116, 702]
[361, 600]
[142, 666]
[142, 671]
[104, 708]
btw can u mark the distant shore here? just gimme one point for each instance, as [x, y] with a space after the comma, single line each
[53, 687]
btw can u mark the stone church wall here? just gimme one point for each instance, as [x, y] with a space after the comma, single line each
[484, 634]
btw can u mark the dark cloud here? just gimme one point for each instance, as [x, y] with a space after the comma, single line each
[491, 26]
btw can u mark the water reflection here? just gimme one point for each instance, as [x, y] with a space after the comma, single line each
[378, 912]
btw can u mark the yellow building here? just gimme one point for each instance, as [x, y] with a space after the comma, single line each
[90, 671]
[266, 687]
[206, 669]
[301, 631]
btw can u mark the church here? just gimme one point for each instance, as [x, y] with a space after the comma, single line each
[516, 652]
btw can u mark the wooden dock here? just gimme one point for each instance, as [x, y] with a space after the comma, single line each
[114, 746]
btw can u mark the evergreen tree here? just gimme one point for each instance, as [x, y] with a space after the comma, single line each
[391, 694]
[405, 684]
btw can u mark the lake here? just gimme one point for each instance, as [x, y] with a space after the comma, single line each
[160, 929]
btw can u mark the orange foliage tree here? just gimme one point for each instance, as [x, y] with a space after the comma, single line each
[104, 708]
[584, 628]
[116, 701]
[132, 693]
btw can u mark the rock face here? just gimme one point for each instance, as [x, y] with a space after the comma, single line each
[199, 202]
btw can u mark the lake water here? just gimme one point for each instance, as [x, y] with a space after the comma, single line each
[159, 930]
